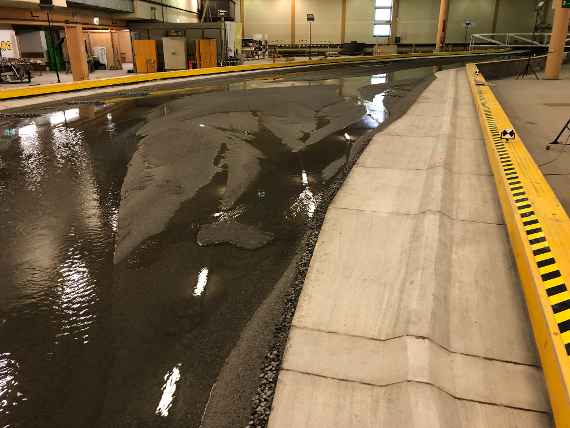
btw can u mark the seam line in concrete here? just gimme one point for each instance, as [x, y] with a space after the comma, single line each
[417, 382]
[429, 168]
[444, 214]
[429, 339]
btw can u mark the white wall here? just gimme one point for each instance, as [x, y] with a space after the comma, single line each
[143, 10]
[326, 27]
[417, 19]
[359, 21]
[516, 17]
[270, 17]
[480, 12]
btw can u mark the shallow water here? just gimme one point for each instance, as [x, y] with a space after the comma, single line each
[111, 313]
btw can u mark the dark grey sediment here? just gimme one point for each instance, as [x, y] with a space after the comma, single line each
[252, 369]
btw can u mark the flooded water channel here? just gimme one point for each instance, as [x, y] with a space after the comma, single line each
[138, 235]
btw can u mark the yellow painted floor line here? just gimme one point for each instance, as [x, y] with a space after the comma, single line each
[147, 77]
[539, 231]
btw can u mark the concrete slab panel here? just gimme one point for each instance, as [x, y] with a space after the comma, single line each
[483, 283]
[415, 126]
[426, 108]
[414, 359]
[389, 151]
[381, 190]
[306, 401]
[471, 157]
[461, 196]
[468, 127]
[363, 287]
[357, 287]
[476, 199]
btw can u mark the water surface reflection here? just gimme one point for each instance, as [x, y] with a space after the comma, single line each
[111, 314]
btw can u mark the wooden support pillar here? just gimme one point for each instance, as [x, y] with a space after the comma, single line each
[395, 19]
[292, 22]
[495, 16]
[441, 25]
[557, 42]
[242, 17]
[343, 21]
[76, 52]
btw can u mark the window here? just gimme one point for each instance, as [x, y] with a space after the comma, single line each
[383, 15]
[382, 18]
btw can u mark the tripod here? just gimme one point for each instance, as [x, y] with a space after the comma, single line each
[558, 140]
[529, 66]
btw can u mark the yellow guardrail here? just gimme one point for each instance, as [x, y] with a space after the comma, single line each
[147, 77]
[539, 231]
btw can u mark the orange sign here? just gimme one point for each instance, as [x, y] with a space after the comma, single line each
[6, 45]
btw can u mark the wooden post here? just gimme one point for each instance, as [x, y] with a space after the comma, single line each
[557, 42]
[441, 25]
[292, 22]
[495, 16]
[242, 17]
[343, 21]
[76, 52]
[395, 19]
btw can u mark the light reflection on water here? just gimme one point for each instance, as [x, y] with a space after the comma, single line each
[376, 108]
[68, 145]
[110, 126]
[305, 204]
[64, 116]
[10, 395]
[57, 238]
[171, 378]
[114, 218]
[230, 215]
[201, 283]
[32, 158]
[77, 295]
[378, 79]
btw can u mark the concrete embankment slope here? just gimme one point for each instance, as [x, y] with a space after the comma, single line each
[411, 314]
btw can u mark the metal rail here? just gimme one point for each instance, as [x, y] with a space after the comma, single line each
[148, 77]
[539, 231]
[510, 40]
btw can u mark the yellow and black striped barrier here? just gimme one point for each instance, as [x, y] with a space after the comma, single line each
[539, 231]
[148, 77]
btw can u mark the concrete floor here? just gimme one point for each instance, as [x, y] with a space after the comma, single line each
[539, 109]
[411, 314]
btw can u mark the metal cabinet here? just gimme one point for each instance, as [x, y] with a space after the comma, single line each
[174, 49]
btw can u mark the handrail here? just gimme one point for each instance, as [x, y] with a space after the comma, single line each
[511, 40]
